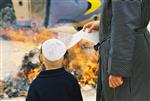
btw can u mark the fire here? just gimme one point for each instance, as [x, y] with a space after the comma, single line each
[2, 85]
[83, 59]
[32, 74]
[19, 35]
[27, 35]
[45, 34]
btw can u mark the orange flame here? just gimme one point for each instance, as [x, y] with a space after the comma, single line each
[86, 61]
[83, 57]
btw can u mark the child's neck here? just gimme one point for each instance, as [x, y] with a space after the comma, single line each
[53, 68]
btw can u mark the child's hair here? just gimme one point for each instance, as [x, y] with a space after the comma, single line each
[42, 65]
[66, 62]
[66, 55]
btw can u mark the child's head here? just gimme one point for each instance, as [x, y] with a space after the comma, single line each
[52, 53]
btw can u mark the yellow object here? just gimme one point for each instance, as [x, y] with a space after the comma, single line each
[95, 4]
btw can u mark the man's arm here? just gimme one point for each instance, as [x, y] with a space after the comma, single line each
[126, 16]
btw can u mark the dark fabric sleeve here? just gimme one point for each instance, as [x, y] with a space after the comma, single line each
[32, 94]
[125, 19]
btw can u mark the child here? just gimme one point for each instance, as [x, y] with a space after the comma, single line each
[54, 84]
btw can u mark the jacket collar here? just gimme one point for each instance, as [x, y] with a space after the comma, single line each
[53, 72]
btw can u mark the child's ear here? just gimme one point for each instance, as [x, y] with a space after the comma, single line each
[41, 58]
[64, 61]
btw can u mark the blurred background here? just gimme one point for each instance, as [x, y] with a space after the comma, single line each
[25, 24]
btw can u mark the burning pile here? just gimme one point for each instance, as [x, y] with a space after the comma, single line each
[82, 62]
[27, 34]
[18, 85]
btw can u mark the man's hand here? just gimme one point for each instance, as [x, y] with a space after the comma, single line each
[115, 81]
[91, 26]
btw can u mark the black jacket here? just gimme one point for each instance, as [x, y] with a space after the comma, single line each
[54, 85]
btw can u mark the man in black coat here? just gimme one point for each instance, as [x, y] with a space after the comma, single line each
[54, 84]
[125, 51]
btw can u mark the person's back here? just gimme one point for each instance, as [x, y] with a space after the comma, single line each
[54, 85]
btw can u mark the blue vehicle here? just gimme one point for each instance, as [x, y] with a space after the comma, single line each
[53, 12]
[77, 12]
